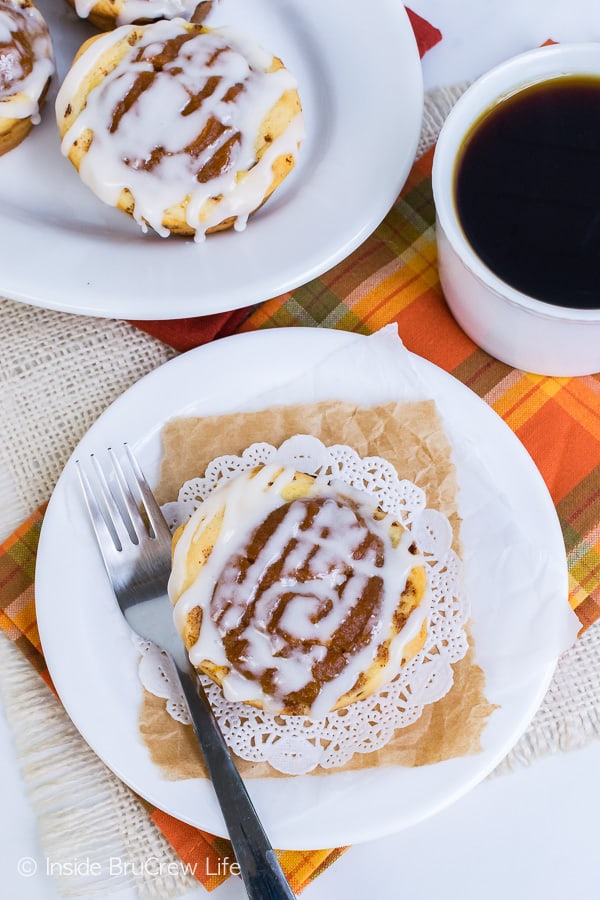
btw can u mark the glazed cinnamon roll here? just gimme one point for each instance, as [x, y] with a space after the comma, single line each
[295, 594]
[26, 67]
[107, 14]
[187, 129]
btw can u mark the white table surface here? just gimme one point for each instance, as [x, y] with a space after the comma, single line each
[530, 835]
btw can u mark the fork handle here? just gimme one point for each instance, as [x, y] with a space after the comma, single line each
[259, 867]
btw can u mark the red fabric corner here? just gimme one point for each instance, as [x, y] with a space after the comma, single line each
[184, 334]
[427, 35]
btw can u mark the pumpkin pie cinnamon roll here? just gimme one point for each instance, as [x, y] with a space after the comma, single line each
[295, 594]
[187, 129]
[26, 67]
[107, 14]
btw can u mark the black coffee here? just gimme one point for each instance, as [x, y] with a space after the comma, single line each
[528, 190]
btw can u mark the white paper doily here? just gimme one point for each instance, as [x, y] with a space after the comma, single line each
[295, 745]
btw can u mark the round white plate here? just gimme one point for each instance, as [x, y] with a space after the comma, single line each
[360, 82]
[94, 665]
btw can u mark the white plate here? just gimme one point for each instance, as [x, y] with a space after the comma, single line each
[88, 648]
[360, 82]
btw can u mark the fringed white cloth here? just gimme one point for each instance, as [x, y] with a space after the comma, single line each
[96, 835]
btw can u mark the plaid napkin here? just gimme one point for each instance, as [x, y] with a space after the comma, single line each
[393, 278]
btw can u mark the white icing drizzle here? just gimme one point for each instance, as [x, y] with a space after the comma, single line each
[326, 546]
[23, 32]
[221, 54]
[134, 10]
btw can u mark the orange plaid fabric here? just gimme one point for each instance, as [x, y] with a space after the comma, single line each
[393, 278]
[17, 604]
[215, 855]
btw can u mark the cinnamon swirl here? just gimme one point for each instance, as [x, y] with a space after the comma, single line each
[295, 594]
[107, 14]
[185, 128]
[26, 67]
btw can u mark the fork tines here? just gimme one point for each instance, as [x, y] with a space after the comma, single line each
[121, 505]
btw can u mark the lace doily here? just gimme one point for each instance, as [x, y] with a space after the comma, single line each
[296, 745]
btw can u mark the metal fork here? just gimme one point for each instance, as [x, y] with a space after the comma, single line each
[137, 557]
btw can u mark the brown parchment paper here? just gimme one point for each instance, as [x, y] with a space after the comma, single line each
[411, 437]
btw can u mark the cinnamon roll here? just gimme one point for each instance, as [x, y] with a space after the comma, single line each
[26, 67]
[187, 129]
[295, 594]
[107, 14]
